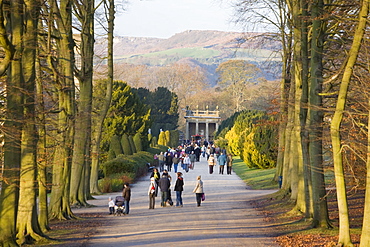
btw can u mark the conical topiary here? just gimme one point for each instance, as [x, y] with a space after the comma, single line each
[115, 145]
[162, 139]
[137, 142]
[132, 144]
[154, 142]
[168, 138]
[126, 145]
[174, 138]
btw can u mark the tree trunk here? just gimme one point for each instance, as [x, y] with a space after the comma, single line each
[304, 112]
[27, 223]
[13, 127]
[365, 234]
[298, 187]
[42, 156]
[5, 43]
[108, 98]
[344, 225]
[286, 39]
[80, 162]
[59, 200]
[288, 141]
[320, 213]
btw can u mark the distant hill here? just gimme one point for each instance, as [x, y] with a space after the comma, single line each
[204, 48]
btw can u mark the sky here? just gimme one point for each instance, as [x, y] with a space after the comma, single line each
[165, 18]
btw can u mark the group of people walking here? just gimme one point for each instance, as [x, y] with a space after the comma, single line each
[163, 183]
[184, 157]
[223, 160]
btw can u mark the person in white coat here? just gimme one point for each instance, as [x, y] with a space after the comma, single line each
[198, 190]
[152, 192]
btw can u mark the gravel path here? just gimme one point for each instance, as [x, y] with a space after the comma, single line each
[225, 218]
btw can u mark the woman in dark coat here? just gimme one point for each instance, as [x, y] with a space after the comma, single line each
[197, 152]
[175, 161]
[169, 161]
[179, 187]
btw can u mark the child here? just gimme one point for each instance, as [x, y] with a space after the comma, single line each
[111, 205]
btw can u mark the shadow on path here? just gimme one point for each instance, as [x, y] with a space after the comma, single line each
[225, 218]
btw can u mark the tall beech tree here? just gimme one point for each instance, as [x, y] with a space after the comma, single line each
[320, 210]
[13, 120]
[365, 234]
[64, 80]
[80, 171]
[344, 225]
[102, 110]
[27, 220]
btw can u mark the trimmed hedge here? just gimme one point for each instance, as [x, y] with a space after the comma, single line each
[115, 182]
[136, 164]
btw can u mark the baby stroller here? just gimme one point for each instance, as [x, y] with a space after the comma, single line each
[119, 207]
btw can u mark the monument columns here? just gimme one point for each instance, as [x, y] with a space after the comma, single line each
[197, 127]
[196, 119]
[207, 131]
[187, 131]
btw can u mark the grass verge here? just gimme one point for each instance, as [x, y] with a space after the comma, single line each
[258, 179]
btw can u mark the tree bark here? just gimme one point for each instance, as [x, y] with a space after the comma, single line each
[108, 98]
[365, 234]
[344, 224]
[42, 156]
[27, 223]
[320, 213]
[59, 200]
[284, 88]
[13, 127]
[82, 141]
[304, 111]
[298, 187]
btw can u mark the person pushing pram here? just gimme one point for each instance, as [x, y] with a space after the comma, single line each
[117, 207]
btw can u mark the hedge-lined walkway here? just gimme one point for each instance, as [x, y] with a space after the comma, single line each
[225, 218]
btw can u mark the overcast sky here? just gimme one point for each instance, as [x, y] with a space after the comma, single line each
[164, 18]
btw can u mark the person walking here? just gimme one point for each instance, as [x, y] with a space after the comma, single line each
[211, 163]
[179, 187]
[169, 197]
[197, 152]
[229, 163]
[164, 185]
[169, 161]
[186, 162]
[204, 148]
[208, 152]
[193, 158]
[175, 162]
[152, 192]
[222, 162]
[156, 175]
[161, 161]
[198, 190]
[126, 193]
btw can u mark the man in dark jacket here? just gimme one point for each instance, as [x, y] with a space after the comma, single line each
[164, 184]
[126, 193]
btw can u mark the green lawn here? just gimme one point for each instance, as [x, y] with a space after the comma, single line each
[255, 178]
